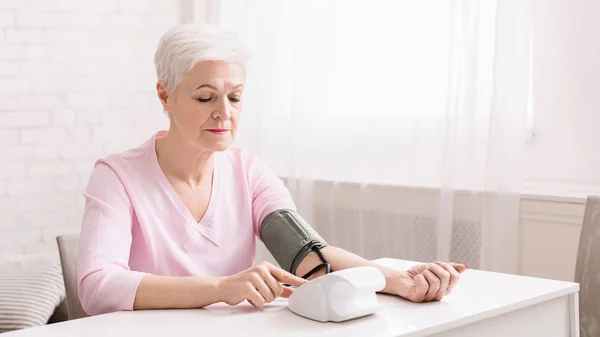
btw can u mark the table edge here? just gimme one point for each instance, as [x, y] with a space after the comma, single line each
[569, 289]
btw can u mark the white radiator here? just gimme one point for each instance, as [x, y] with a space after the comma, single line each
[375, 234]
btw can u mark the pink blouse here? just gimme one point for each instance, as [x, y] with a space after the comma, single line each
[134, 224]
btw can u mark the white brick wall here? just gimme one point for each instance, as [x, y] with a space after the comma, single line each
[76, 83]
[7, 18]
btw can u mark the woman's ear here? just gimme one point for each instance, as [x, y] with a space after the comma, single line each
[163, 95]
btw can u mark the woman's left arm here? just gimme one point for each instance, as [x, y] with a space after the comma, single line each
[422, 283]
[425, 282]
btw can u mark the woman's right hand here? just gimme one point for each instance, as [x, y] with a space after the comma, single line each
[259, 285]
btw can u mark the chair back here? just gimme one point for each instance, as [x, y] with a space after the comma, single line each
[68, 247]
[587, 270]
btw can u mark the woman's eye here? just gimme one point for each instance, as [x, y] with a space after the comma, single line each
[203, 100]
[235, 99]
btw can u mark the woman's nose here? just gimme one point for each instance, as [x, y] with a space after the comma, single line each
[223, 110]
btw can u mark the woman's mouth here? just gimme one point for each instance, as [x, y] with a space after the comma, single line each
[218, 131]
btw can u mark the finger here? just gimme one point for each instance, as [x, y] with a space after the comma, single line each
[459, 267]
[421, 288]
[418, 269]
[434, 284]
[262, 287]
[254, 297]
[444, 276]
[454, 276]
[284, 276]
[276, 287]
[287, 292]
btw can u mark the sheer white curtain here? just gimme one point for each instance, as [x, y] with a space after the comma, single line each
[397, 125]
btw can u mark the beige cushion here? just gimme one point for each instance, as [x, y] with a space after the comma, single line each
[31, 288]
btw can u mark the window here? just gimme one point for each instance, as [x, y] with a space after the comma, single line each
[377, 91]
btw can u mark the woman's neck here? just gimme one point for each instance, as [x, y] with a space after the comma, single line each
[178, 158]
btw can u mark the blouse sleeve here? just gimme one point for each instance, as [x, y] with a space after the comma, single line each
[268, 192]
[105, 282]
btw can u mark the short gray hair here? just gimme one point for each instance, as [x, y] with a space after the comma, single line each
[185, 45]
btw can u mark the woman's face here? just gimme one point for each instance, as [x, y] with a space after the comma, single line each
[205, 108]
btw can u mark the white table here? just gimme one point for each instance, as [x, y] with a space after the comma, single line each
[483, 304]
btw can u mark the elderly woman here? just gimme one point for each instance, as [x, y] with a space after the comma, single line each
[173, 222]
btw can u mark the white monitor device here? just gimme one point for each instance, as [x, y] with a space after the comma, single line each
[339, 296]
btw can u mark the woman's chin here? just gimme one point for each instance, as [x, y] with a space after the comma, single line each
[220, 149]
[218, 146]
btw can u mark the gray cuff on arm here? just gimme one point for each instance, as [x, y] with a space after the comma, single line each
[289, 238]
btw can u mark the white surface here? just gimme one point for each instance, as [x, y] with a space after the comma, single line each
[546, 319]
[339, 296]
[479, 297]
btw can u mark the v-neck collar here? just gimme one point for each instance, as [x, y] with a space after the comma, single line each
[205, 224]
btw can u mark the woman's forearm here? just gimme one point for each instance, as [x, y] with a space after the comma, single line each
[341, 259]
[164, 292]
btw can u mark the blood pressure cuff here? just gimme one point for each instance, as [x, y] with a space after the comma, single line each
[289, 238]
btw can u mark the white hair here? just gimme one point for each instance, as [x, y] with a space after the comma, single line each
[185, 45]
